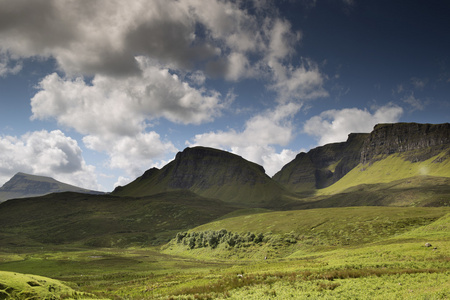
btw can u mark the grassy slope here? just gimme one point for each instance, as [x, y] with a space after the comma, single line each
[391, 168]
[307, 231]
[413, 191]
[103, 220]
[23, 286]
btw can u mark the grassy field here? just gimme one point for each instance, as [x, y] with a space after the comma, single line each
[336, 253]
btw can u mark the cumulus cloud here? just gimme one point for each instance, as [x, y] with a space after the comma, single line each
[46, 153]
[104, 37]
[120, 106]
[256, 142]
[150, 59]
[133, 154]
[334, 125]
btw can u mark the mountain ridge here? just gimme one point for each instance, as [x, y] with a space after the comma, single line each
[399, 143]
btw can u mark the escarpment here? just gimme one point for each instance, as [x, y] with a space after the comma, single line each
[421, 141]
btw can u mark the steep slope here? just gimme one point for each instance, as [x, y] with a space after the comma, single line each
[25, 185]
[322, 166]
[210, 173]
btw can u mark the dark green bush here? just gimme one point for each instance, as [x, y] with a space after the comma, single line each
[213, 239]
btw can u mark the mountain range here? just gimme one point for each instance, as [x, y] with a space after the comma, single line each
[402, 164]
[389, 153]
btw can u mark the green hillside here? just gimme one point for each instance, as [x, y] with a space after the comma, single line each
[210, 173]
[280, 234]
[24, 286]
[104, 220]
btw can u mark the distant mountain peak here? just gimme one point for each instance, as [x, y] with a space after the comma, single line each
[26, 185]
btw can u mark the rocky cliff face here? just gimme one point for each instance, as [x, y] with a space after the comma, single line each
[321, 166]
[419, 141]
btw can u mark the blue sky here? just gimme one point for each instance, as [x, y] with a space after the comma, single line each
[93, 93]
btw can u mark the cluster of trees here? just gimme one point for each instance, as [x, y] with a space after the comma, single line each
[213, 239]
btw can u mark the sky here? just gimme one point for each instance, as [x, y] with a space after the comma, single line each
[93, 93]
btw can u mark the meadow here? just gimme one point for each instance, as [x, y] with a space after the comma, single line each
[334, 253]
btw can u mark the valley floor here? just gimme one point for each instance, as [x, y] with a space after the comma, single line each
[398, 267]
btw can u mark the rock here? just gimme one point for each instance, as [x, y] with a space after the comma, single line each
[425, 139]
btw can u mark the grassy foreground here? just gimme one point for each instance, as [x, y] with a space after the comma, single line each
[388, 260]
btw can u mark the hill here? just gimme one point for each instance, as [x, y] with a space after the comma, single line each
[389, 153]
[14, 285]
[24, 185]
[210, 173]
[104, 220]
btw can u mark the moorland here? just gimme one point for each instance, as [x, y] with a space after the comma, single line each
[368, 218]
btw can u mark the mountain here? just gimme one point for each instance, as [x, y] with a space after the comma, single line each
[321, 166]
[25, 185]
[210, 173]
[390, 152]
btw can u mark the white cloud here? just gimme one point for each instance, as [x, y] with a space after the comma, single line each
[256, 142]
[150, 59]
[335, 125]
[103, 37]
[133, 154]
[46, 153]
[122, 105]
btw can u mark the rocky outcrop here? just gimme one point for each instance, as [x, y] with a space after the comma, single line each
[321, 166]
[419, 141]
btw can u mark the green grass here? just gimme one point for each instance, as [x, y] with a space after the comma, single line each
[388, 258]
[391, 168]
[104, 220]
[410, 192]
[15, 285]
